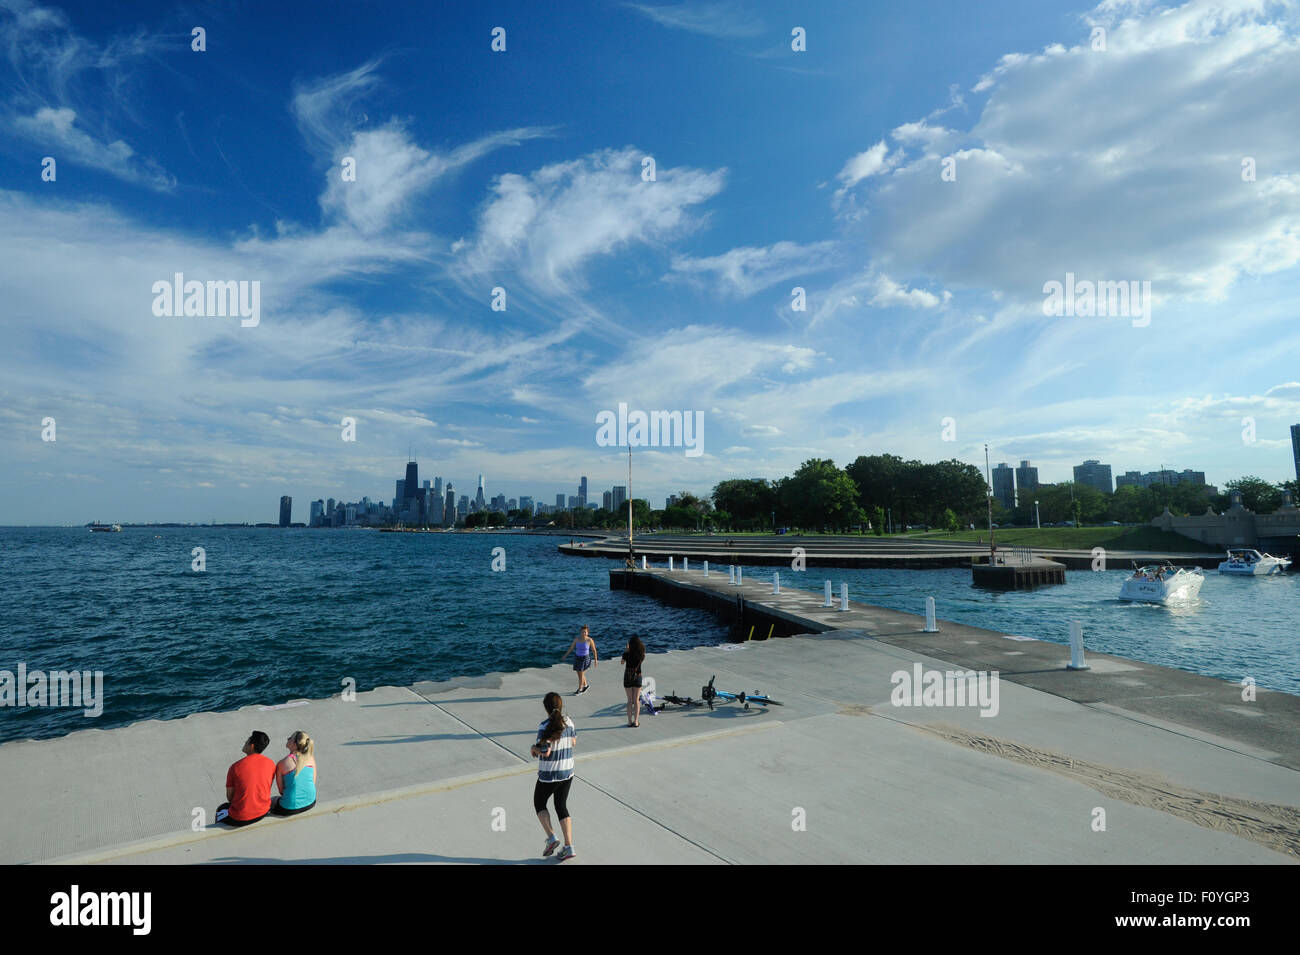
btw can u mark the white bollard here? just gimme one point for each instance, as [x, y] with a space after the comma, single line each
[706, 568]
[731, 573]
[740, 575]
[686, 566]
[670, 563]
[1076, 648]
[929, 616]
[828, 594]
[644, 565]
[844, 596]
[776, 582]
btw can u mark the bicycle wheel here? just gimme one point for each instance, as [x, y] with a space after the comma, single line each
[765, 700]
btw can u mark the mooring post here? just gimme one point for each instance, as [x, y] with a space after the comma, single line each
[1076, 648]
[740, 575]
[844, 596]
[776, 582]
[929, 616]
[670, 562]
[686, 565]
[828, 594]
[644, 565]
[706, 568]
[731, 573]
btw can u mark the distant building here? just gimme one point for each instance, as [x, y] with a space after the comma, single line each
[525, 503]
[607, 500]
[573, 502]
[1004, 485]
[559, 502]
[286, 511]
[1295, 448]
[671, 501]
[1026, 480]
[499, 503]
[329, 513]
[1095, 474]
[582, 491]
[462, 509]
[619, 497]
[1167, 476]
[449, 506]
[480, 502]
[317, 513]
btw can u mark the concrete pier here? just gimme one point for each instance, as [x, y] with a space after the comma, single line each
[850, 551]
[1012, 571]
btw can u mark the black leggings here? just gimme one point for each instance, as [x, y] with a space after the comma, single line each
[278, 810]
[560, 791]
[229, 821]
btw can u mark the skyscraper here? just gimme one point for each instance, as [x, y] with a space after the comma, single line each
[559, 502]
[1026, 481]
[286, 510]
[582, 492]
[1295, 448]
[607, 500]
[317, 513]
[1004, 485]
[449, 506]
[619, 497]
[329, 513]
[479, 500]
[1094, 474]
[412, 483]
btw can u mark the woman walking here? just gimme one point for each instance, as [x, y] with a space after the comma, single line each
[583, 649]
[556, 738]
[633, 656]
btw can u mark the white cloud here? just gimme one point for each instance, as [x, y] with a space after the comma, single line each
[746, 270]
[715, 19]
[550, 223]
[1067, 169]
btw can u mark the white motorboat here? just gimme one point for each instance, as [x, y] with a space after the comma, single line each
[1251, 563]
[1162, 583]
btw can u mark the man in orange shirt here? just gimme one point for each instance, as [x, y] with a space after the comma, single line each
[248, 784]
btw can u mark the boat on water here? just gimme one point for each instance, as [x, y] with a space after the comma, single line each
[106, 528]
[1162, 583]
[1248, 562]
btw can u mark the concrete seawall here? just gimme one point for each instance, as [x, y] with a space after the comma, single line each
[1181, 770]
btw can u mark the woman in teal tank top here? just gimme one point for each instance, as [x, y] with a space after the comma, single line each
[295, 776]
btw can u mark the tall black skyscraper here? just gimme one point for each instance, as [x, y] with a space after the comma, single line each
[412, 485]
[286, 510]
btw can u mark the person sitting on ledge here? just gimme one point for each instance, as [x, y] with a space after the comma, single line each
[295, 777]
[248, 784]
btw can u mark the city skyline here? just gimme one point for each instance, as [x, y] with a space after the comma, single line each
[519, 252]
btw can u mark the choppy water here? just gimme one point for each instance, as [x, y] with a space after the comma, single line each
[281, 615]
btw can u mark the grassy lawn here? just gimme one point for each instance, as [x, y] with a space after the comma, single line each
[1083, 538]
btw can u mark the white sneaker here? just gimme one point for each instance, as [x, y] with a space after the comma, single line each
[566, 853]
[551, 843]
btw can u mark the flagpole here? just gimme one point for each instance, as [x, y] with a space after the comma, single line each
[630, 553]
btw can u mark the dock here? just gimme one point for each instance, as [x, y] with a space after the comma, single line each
[1016, 571]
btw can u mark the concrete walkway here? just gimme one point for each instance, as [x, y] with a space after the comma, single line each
[441, 773]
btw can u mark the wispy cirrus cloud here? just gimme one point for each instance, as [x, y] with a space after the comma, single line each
[61, 91]
[723, 20]
[746, 270]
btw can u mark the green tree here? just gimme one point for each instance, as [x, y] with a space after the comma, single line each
[1257, 494]
[819, 495]
[749, 501]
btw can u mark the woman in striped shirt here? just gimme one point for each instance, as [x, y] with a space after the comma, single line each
[556, 738]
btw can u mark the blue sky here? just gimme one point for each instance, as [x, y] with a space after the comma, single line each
[522, 170]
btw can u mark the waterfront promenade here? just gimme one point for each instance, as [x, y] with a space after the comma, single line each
[441, 772]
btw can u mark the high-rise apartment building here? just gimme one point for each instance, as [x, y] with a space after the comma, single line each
[462, 508]
[329, 513]
[449, 506]
[1004, 485]
[559, 502]
[619, 497]
[582, 491]
[286, 510]
[525, 503]
[1094, 474]
[317, 513]
[607, 500]
[1026, 480]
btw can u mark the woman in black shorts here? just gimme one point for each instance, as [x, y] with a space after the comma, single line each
[633, 657]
